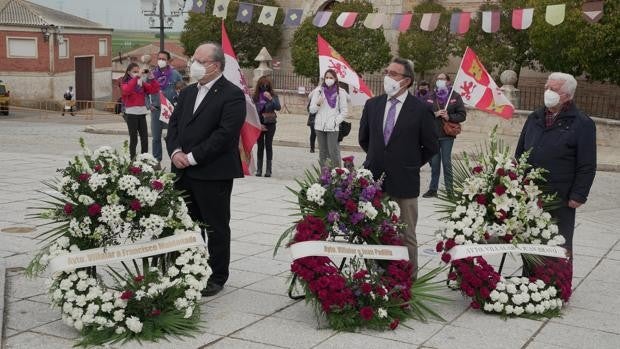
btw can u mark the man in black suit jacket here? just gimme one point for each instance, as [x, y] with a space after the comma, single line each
[203, 139]
[398, 134]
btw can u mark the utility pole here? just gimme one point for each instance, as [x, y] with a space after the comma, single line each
[165, 20]
[161, 25]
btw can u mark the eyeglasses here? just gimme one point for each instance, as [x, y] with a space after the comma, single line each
[393, 74]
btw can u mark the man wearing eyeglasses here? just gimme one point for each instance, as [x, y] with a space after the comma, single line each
[203, 139]
[398, 134]
[562, 140]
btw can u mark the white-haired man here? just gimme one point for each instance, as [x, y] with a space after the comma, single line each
[562, 139]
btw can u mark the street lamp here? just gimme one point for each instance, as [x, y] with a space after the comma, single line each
[152, 9]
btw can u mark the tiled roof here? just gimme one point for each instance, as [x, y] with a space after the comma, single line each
[24, 13]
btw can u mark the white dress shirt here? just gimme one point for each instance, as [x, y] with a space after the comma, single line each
[202, 93]
[401, 98]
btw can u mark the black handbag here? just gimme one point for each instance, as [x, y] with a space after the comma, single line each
[344, 130]
[311, 118]
[269, 118]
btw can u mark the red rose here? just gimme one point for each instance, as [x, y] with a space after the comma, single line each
[481, 199]
[394, 324]
[348, 159]
[512, 176]
[83, 177]
[363, 182]
[446, 257]
[484, 292]
[376, 202]
[155, 312]
[94, 210]
[157, 185]
[339, 171]
[135, 205]
[539, 203]
[507, 237]
[439, 246]
[360, 274]
[138, 278]
[500, 172]
[350, 206]
[97, 168]
[477, 169]
[366, 313]
[366, 288]
[487, 236]
[449, 244]
[474, 305]
[134, 170]
[68, 208]
[500, 190]
[127, 295]
[502, 215]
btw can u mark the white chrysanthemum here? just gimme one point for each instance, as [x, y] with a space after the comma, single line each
[153, 225]
[111, 215]
[367, 209]
[315, 194]
[97, 181]
[128, 183]
[363, 173]
[382, 313]
[147, 195]
[134, 324]
[488, 307]
[394, 208]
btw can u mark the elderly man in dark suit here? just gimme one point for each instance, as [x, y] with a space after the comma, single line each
[203, 139]
[562, 140]
[398, 133]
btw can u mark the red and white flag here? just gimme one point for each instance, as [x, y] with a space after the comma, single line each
[331, 59]
[478, 89]
[166, 108]
[522, 18]
[251, 128]
[490, 21]
[346, 19]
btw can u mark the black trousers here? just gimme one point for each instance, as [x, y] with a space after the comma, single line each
[209, 202]
[312, 137]
[136, 124]
[265, 143]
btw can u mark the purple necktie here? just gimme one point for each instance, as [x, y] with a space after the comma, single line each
[391, 120]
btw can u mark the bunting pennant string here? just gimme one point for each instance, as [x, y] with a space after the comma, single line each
[522, 18]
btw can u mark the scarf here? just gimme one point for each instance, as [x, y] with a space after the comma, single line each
[162, 77]
[260, 104]
[331, 95]
[442, 96]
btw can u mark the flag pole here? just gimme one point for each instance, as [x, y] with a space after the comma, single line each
[456, 78]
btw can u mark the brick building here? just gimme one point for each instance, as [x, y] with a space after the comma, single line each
[43, 51]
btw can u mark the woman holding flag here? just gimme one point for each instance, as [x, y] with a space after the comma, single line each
[329, 102]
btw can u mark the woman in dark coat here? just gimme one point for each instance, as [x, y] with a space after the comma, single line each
[267, 103]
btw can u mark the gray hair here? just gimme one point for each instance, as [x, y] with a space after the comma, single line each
[408, 65]
[218, 53]
[570, 84]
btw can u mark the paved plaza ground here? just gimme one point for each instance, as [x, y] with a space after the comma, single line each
[254, 311]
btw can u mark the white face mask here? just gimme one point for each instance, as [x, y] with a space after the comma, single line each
[440, 84]
[134, 75]
[329, 82]
[552, 98]
[390, 86]
[162, 63]
[197, 71]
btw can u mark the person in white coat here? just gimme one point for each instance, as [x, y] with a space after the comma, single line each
[329, 102]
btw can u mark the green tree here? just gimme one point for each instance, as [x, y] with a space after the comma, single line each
[428, 50]
[507, 48]
[247, 38]
[365, 49]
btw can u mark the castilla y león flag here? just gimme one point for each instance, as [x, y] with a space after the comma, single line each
[251, 128]
[331, 59]
[478, 89]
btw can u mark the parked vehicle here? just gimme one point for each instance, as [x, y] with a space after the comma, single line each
[5, 99]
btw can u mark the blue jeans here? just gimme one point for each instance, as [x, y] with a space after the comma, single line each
[156, 127]
[444, 157]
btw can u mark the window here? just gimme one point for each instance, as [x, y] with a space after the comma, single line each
[103, 47]
[63, 49]
[21, 47]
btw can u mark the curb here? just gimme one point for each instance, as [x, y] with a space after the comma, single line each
[2, 291]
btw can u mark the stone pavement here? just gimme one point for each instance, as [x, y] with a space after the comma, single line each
[253, 311]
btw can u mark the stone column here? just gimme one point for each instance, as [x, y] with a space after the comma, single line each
[263, 66]
[508, 78]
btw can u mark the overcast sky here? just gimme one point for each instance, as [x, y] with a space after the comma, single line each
[118, 14]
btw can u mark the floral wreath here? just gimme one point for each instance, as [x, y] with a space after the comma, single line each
[498, 199]
[106, 199]
[343, 203]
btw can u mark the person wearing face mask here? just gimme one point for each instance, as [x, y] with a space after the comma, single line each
[203, 144]
[267, 103]
[398, 133]
[423, 91]
[135, 86]
[562, 140]
[330, 104]
[167, 78]
[452, 110]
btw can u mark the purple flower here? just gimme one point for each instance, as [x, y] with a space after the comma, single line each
[332, 216]
[326, 175]
[368, 193]
[356, 217]
[342, 195]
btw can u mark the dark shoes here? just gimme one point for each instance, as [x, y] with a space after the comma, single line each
[211, 290]
[312, 150]
[430, 194]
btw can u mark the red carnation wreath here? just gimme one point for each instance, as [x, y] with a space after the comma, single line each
[348, 204]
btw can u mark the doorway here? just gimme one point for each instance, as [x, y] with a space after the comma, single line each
[84, 82]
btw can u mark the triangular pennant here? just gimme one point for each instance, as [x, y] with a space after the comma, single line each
[593, 11]
[268, 15]
[555, 14]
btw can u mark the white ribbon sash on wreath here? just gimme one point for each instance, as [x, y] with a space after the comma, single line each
[464, 251]
[111, 254]
[339, 249]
